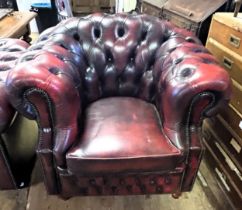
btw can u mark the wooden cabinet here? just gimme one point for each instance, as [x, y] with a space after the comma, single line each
[223, 133]
[153, 7]
[192, 15]
[90, 6]
[186, 13]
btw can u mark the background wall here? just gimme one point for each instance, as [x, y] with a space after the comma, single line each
[24, 5]
[125, 5]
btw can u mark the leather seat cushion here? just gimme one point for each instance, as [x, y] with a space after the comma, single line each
[122, 134]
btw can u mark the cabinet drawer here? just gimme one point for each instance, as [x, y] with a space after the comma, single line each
[231, 61]
[151, 10]
[227, 34]
[180, 21]
[222, 178]
[229, 143]
[236, 98]
[232, 119]
[225, 174]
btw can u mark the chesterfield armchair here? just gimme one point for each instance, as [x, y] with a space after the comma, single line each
[119, 101]
[17, 154]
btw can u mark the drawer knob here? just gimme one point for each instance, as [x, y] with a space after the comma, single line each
[234, 40]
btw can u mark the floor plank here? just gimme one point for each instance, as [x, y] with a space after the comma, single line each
[36, 198]
[39, 200]
[13, 199]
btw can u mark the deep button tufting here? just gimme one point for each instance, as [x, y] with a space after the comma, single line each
[36, 47]
[120, 31]
[55, 71]
[114, 189]
[208, 61]
[159, 189]
[122, 182]
[172, 49]
[92, 181]
[137, 181]
[61, 57]
[63, 46]
[105, 181]
[76, 36]
[197, 50]
[143, 188]
[109, 56]
[99, 190]
[4, 68]
[168, 180]
[144, 35]
[27, 58]
[129, 188]
[186, 72]
[9, 58]
[190, 39]
[2, 43]
[14, 50]
[178, 60]
[97, 33]
[152, 182]
[43, 38]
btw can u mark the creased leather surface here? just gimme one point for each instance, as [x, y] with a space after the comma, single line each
[85, 59]
[122, 131]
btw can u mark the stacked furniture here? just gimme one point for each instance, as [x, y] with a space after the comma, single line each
[153, 7]
[18, 135]
[90, 6]
[186, 13]
[223, 134]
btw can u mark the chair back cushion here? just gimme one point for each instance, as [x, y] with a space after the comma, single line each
[118, 55]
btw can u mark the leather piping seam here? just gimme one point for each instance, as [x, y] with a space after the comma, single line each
[49, 104]
[188, 121]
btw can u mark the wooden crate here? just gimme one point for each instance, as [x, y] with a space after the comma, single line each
[90, 6]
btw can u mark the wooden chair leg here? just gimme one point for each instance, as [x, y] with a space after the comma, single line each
[176, 195]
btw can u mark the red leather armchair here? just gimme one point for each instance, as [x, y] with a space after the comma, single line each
[17, 153]
[119, 101]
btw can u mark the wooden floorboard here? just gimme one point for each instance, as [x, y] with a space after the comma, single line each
[36, 198]
[13, 199]
[39, 200]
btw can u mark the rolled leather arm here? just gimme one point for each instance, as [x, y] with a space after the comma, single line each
[192, 86]
[6, 110]
[10, 51]
[46, 84]
[42, 85]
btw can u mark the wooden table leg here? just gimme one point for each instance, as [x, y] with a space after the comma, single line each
[26, 36]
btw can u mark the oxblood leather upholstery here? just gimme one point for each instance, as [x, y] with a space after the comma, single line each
[169, 76]
[16, 160]
[129, 139]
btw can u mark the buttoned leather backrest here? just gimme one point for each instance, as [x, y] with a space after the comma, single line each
[115, 54]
